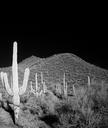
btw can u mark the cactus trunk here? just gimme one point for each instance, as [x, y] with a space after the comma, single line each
[15, 70]
[16, 98]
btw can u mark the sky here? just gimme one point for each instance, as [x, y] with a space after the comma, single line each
[43, 41]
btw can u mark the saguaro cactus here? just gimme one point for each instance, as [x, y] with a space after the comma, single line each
[35, 91]
[65, 86]
[88, 81]
[74, 91]
[14, 89]
[43, 83]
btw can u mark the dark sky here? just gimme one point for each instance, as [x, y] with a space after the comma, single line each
[46, 40]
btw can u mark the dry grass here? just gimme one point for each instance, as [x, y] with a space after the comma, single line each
[87, 109]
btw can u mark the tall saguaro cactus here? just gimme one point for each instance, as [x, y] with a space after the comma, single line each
[65, 86]
[14, 89]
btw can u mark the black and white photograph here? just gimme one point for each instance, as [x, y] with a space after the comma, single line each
[52, 76]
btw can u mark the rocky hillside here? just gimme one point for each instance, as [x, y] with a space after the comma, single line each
[55, 66]
[52, 110]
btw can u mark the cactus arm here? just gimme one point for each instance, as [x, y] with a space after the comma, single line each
[9, 90]
[22, 89]
[5, 83]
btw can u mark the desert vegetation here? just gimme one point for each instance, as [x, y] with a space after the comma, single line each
[87, 108]
[79, 102]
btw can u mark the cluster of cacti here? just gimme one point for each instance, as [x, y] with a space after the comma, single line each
[44, 90]
[36, 90]
[14, 90]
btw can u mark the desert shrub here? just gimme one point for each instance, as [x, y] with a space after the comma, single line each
[70, 117]
[90, 110]
[98, 106]
[87, 108]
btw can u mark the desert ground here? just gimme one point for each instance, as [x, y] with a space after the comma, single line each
[75, 97]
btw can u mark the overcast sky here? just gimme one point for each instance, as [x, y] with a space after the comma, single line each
[44, 41]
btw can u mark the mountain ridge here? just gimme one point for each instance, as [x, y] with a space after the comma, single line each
[37, 64]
